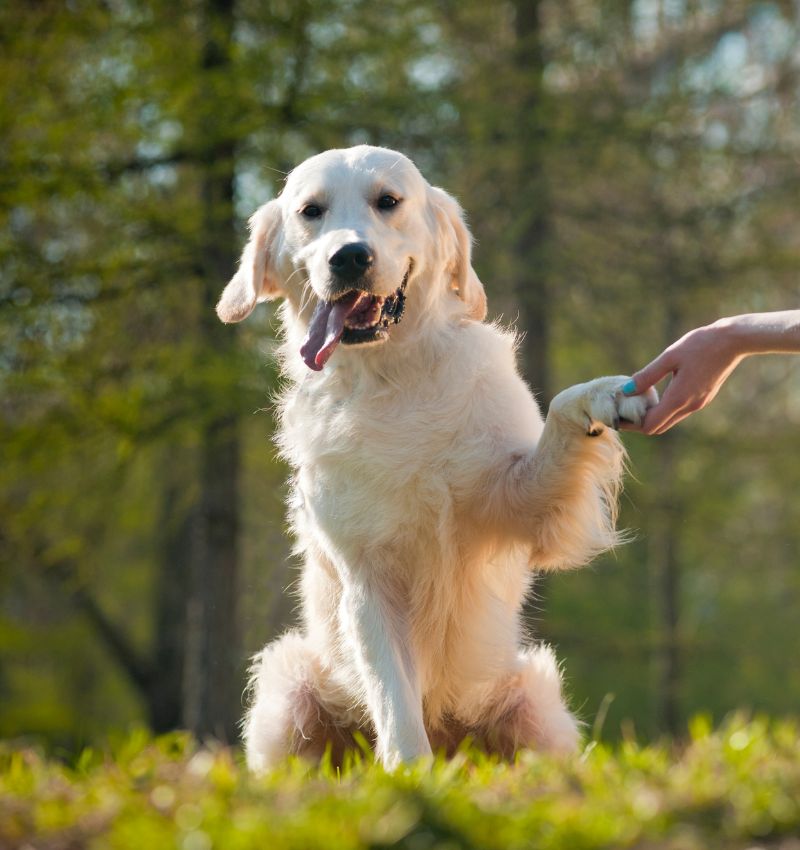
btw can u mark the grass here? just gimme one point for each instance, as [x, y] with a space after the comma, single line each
[736, 787]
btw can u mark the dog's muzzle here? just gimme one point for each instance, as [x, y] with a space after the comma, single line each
[355, 317]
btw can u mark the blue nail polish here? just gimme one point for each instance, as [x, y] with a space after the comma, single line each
[629, 388]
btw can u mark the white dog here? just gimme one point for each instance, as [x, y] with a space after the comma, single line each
[426, 485]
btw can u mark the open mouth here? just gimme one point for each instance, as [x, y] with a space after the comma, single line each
[355, 317]
[371, 316]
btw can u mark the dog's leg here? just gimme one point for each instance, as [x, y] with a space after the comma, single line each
[525, 709]
[295, 708]
[561, 496]
[387, 673]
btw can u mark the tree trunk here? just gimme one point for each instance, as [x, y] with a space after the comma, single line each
[530, 138]
[211, 687]
[165, 691]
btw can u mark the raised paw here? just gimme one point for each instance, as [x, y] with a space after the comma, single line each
[599, 404]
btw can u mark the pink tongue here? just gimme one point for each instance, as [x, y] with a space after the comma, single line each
[326, 328]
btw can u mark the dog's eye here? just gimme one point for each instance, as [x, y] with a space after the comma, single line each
[387, 202]
[311, 211]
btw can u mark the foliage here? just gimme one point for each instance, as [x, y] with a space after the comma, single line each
[734, 788]
[631, 164]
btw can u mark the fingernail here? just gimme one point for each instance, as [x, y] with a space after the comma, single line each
[629, 388]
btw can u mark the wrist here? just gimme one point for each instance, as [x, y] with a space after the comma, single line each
[728, 337]
[743, 335]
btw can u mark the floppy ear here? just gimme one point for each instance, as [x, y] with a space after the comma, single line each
[454, 234]
[255, 280]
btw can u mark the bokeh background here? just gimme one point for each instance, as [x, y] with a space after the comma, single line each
[631, 169]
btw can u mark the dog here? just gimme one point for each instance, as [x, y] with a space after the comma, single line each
[426, 487]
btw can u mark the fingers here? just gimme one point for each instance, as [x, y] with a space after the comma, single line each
[645, 378]
[660, 416]
[699, 365]
[673, 407]
[660, 424]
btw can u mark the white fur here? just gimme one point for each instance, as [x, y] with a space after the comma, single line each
[426, 486]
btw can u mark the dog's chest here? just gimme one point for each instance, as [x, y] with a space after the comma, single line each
[373, 466]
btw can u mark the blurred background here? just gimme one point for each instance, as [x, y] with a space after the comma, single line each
[630, 168]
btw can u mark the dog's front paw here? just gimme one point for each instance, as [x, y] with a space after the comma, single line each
[601, 403]
[633, 408]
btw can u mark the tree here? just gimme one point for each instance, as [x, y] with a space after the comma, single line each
[115, 355]
[629, 172]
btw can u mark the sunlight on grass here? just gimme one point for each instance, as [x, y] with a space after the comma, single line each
[736, 787]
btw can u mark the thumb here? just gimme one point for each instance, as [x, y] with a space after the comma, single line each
[657, 369]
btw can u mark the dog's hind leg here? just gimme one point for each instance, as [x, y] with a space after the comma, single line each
[294, 707]
[525, 709]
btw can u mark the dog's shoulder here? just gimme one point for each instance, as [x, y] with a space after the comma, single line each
[499, 393]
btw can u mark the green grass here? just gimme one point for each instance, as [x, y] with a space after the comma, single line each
[737, 787]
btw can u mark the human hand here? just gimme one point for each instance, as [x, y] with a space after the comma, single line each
[699, 363]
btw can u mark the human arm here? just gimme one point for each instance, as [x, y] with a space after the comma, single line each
[702, 360]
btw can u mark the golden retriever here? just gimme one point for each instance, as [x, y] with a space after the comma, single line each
[426, 485]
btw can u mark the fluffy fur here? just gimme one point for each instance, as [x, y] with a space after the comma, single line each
[426, 485]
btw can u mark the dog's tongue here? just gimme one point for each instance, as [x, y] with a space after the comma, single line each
[326, 328]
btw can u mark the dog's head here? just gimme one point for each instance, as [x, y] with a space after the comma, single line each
[356, 240]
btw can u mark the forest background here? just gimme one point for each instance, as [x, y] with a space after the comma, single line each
[630, 169]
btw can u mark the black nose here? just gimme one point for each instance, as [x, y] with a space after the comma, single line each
[351, 261]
